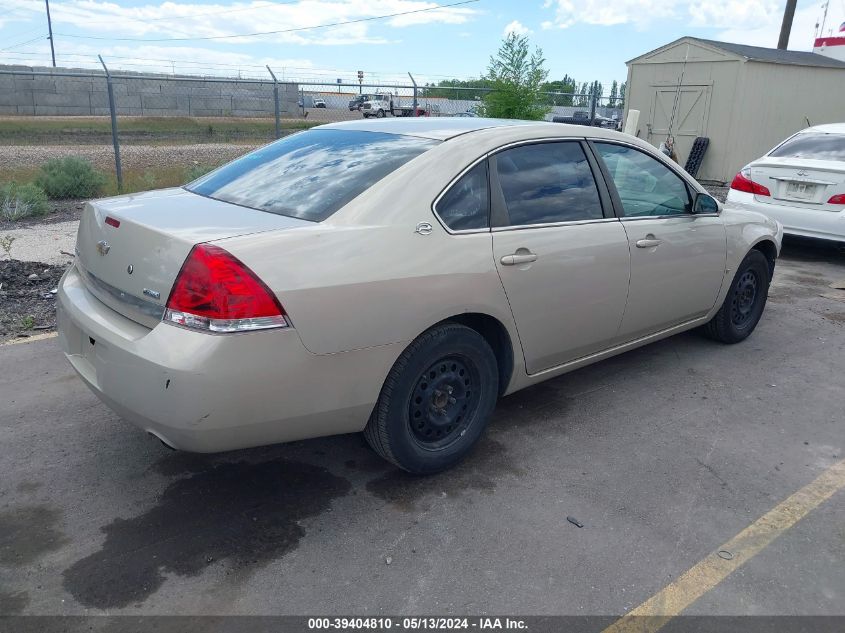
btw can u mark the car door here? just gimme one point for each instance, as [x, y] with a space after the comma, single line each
[677, 257]
[561, 255]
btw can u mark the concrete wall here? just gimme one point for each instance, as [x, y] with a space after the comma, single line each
[136, 94]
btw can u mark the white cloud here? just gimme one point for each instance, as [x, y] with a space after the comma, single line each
[191, 19]
[765, 32]
[727, 14]
[608, 13]
[516, 27]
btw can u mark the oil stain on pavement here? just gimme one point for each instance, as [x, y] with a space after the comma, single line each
[13, 603]
[28, 532]
[243, 513]
[488, 461]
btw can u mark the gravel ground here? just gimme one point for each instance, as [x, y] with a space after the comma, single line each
[15, 157]
[27, 303]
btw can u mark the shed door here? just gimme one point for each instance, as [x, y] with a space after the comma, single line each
[690, 116]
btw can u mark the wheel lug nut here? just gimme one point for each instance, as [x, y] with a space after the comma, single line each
[452, 401]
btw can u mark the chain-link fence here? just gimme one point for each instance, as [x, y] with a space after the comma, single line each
[150, 131]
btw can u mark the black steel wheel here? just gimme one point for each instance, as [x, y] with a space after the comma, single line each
[744, 303]
[436, 400]
[442, 401]
[744, 297]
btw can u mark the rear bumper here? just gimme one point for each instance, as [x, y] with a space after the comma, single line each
[819, 224]
[208, 393]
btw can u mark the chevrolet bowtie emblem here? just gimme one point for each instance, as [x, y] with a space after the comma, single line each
[103, 247]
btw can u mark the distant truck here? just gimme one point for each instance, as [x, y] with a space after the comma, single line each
[383, 103]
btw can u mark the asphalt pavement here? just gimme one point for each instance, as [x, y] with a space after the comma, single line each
[662, 454]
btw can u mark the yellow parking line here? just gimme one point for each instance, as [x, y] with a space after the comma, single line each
[655, 612]
[30, 339]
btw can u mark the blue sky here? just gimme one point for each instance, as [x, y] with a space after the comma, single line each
[587, 39]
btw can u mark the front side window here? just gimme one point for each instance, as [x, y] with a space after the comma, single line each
[547, 183]
[813, 145]
[466, 204]
[312, 174]
[646, 186]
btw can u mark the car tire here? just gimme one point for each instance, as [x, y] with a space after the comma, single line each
[744, 303]
[380, 114]
[436, 401]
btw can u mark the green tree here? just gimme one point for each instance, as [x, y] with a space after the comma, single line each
[622, 93]
[566, 87]
[475, 89]
[614, 94]
[516, 76]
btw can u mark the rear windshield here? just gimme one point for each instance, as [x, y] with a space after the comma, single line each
[813, 145]
[312, 174]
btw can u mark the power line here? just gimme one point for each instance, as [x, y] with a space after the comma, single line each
[261, 33]
[34, 39]
[198, 15]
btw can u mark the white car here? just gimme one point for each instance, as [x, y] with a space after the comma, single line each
[800, 183]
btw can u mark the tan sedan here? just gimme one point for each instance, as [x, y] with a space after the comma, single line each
[396, 277]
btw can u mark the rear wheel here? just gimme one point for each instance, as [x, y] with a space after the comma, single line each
[380, 114]
[436, 401]
[744, 304]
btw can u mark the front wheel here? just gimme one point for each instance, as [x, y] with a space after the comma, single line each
[744, 304]
[380, 114]
[436, 400]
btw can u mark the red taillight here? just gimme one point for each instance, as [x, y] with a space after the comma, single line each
[742, 182]
[837, 199]
[218, 293]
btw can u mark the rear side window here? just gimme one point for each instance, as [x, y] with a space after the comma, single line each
[466, 204]
[813, 145]
[312, 174]
[546, 183]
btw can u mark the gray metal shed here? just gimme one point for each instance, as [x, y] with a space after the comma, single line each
[746, 99]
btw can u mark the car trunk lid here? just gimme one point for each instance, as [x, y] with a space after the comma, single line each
[129, 249]
[803, 183]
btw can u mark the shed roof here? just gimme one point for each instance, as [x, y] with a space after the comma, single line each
[759, 54]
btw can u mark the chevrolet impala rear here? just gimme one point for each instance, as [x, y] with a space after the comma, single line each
[397, 277]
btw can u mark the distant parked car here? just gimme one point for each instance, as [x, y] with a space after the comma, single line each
[466, 114]
[800, 183]
[319, 103]
[355, 104]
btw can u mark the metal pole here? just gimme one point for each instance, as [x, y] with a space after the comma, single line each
[50, 30]
[786, 26]
[276, 102]
[114, 138]
[593, 104]
[414, 81]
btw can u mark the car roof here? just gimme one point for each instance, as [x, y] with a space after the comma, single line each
[437, 128]
[829, 128]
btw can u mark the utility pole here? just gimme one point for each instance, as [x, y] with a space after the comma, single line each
[50, 30]
[786, 26]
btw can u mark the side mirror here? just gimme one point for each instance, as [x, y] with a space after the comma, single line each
[705, 204]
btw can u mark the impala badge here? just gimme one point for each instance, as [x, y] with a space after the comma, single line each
[802, 173]
[103, 247]
[424, 228]
[155, 294]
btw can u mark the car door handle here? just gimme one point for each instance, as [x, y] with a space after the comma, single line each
[649, 242]
[522, 256]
